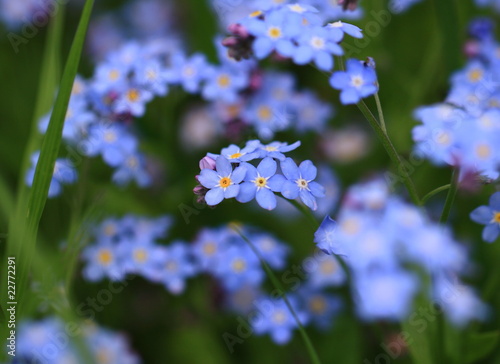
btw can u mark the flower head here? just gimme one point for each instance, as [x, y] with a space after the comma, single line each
[490, 217]
[357, 82]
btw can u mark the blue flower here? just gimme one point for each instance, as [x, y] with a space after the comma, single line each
[209, 246]
[239, 266]
[277, 149]
[324, 270]
[266, 114]
[224, 83]
[103, 261]
[272, 251]
[300, 182]
[312, 113]
[173, 266]
[276, 319]
[133, 101]
[489, 216]
[357, 82]
[321, 307]
[64, 173]
[223, 182]
[189, 72]
[317, 44]
[152, 76]
[140, 258]
[236, 155]
[274, 32]
[260, 183]
[132, 168]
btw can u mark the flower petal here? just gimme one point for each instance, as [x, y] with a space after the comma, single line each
[223, 166]
[490, 232]
[266, 199]
[316, 189]
[290, 190]
[247, 192]
[208, 178]
[267, 167]
[307, 170]
[239, 173]
[308, 199]
[482, 215]
[290, 169]
[232, 191]
[495, 201]
[214, 196]
[276, 182]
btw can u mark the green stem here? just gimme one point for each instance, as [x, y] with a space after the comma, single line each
[380, 113]
[424, 199]
[391, 151]
[307, 341]
[305, 211]
[450, 197]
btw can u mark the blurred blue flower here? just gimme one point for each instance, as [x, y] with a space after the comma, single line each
[102, 261]
[489, 216]
[236, 155]
[223, 83]
[64, 174]
[357, 82]
[189, 72]
[276, 150]
[317, 44]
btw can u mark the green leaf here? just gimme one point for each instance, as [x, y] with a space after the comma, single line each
[478, 346]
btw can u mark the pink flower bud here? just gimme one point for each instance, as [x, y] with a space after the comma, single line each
[207, 163]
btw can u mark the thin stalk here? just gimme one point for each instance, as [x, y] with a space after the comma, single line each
[305, 211]
[380, 113]
[391, 151]
[307, 341]
[424, 199]
[450, 197]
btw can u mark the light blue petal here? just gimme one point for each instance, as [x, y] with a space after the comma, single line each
[214, 196]
[307, 170]
[262, 47]
[232, 191]
[290, 147]
[267, 167]
[223, 166]
[490, 232]
[303, 55]
[276, 182]
[495, 201]
[349, 96]
[239, 173]
[208, 178]
[290, 190]
[266, 199]
[340, 80]
[247, 192]
[323, 60]
[113, 156]
[482, 215]
[316, 189]
[308, 199]
[281, 335]
[285, 47]
[290, 169]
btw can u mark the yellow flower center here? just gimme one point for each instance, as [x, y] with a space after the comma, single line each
[224, 81]
[132, 162]
[483, 151]
[443, 138]
[350, 226]
[357, 81]
[133, 95]
[225, 182]
[140, 255]
[255, 14]
[270, 148]
[317, 42]
[105, 257]
[209, 249]
[279, 317]
[475, 75]
[302, 183]
[264, 113]
[496, 217]
[239, 265]
[317, 305]
[188, 71]
[274, 32]
[151, 74]
[109, 136]
[235, 155]
[113, 75]
[260, 182]
[171, 266]
[327, 267]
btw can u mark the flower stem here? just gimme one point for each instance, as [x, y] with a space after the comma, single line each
[424, 199]
[450, 197]
[391, 151]
[380, 113]
[305, 211]
[307, 341]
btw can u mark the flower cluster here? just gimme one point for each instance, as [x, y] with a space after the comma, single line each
[489, 216]
[463, 131]
[246, 182]
[379, 236]
[40, 342]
